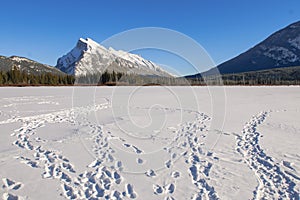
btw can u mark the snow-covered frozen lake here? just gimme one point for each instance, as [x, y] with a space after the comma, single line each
[150, 142]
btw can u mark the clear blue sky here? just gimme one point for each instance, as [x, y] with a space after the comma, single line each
[45, 30]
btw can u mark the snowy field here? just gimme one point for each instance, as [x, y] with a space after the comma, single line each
[150, 143]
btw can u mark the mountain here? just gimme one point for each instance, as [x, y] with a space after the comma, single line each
[281, 49]
[26, 65]
[89, 57]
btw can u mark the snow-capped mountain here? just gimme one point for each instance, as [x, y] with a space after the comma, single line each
[281, 49]
[26, 65]
[89, 57]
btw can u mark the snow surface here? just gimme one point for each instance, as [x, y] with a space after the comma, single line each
[89, 57]
[122, 143]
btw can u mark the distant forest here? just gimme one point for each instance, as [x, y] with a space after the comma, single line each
[15, 77]
[123, 79]
[279, 76]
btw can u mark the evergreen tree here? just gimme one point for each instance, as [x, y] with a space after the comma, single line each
[1, 79]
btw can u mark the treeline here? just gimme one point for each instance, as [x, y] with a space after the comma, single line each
[260, 79]
[268, 77]
[243, 80]
[118, 78]
[17, 77]
[279, 76]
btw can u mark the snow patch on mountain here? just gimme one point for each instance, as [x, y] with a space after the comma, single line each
[295, 42]
[281, 54]
[20, 59]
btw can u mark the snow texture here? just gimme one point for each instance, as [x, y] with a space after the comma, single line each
[94, 149]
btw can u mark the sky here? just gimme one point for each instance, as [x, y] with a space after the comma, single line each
[46, 30]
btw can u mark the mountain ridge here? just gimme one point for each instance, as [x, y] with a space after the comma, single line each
[89, 57]
[280, 49]
[26, 65]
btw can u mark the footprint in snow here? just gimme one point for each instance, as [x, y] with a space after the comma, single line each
[140, 161]
[10, 184]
